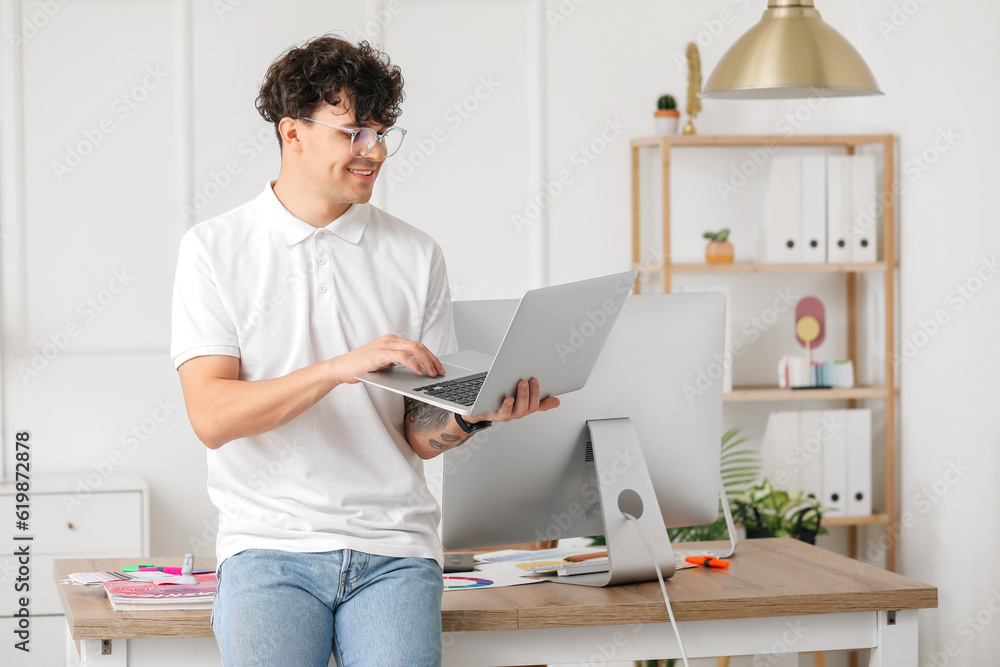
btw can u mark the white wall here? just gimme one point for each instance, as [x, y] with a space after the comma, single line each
[566, 74]
[934, 70]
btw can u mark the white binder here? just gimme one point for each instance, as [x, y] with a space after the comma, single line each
[838, 208]
[782, 232]
[812, 433]
[859, 462]
[814, 209]
[864, 216]
[779, 450]
[835, 464]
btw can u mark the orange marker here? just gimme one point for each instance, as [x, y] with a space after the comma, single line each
[707, 561]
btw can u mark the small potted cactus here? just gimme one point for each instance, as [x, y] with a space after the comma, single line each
[667, 117]
[719, 250]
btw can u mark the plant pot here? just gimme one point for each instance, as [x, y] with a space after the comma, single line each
[752, 522]
[753, 533]
[666, 121]
[754, 526]
[719, 252]
[802, 533]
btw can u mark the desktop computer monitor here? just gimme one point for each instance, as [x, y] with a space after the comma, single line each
[535, 479]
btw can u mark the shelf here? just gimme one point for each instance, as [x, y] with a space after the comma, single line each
[749, 267]
[749, 394]
[872, 520]
[759, 140]
[660, 150]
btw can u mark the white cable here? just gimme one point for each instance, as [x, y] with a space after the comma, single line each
[663, 586]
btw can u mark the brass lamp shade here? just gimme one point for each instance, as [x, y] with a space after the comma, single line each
[790, 53]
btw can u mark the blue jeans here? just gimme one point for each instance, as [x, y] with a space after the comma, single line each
[281, 608]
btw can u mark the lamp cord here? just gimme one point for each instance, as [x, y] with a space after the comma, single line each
[663, 586]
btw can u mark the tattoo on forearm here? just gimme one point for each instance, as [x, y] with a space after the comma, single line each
[427, 419]
[424, 417]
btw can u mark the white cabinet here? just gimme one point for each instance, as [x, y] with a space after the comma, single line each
[70, 517]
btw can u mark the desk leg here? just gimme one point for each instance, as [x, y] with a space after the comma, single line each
[897, 639]
[72, 650]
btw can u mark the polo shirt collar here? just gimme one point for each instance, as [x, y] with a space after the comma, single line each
[350, 226]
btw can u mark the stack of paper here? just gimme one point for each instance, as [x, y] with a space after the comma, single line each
[161, 594]
[95, 578]
[518, 562]
[602, 564]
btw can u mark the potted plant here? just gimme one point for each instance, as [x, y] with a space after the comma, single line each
[667, 117]
[769, 512]
[719, 250]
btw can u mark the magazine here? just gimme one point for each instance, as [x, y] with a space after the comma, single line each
[124, 604]
[139, 595]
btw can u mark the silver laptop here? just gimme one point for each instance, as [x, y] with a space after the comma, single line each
[556, 335]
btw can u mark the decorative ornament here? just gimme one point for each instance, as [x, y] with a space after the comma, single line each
[694, 86]
[810, 324]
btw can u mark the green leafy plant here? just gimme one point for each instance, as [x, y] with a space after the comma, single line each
[740, 469]
[769, 512]
[666, 102]
[719, 236]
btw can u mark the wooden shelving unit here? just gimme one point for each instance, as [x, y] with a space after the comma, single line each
[886, 266]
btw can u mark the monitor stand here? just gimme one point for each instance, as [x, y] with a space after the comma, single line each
[626, 487]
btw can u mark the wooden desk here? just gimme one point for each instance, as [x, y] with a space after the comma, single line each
[779, 596]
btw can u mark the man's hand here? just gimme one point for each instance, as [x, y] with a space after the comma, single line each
[383, 353]
[527, 400]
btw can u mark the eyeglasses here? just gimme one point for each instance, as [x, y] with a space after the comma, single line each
[363, 138]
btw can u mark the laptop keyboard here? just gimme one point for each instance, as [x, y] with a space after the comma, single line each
[461, 390]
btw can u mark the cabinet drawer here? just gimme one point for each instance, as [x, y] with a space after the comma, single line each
[102, 524]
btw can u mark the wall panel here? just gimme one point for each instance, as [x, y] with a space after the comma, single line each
[103, 166]
[472, 151]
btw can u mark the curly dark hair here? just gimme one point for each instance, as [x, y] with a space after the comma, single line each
[331, 70]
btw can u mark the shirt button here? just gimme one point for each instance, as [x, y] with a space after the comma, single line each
[322, 261]
[319, 235]
[322, 288]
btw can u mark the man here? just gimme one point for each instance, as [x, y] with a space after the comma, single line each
[327, 536]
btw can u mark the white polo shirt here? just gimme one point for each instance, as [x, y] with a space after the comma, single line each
[259, 284]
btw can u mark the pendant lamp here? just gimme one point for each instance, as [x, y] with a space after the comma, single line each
[790, 53]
